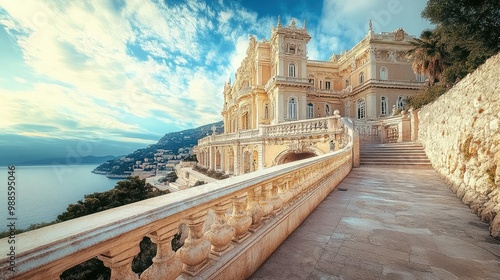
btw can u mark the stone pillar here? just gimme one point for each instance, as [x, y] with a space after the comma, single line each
[194, 253]
[282, 108]
[119, 260]
[413, 124]
[404, 129]
[237, 154]
[239, 219]
[220, 233]
[254, 210]
[371, 106]
[165, 264]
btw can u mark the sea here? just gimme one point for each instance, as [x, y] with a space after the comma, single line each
[42, 192]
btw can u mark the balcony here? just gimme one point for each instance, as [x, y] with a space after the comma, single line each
[303, 128]
[330, 92]
[286, 81]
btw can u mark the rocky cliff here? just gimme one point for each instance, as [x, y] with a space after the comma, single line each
[461, 135]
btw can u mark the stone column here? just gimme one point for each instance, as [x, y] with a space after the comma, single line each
[220, 233]
[239, 219]
[119, 260]
[194, 253]
[404, 129]
[165, 264]
[371, 106]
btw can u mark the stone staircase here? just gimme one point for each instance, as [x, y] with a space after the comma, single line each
[405, 153]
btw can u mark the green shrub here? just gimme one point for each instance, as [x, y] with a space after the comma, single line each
[425, 96]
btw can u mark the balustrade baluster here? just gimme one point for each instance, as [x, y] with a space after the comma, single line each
[277, 201]
[283, 191]
[266, 203]
[194, 253]
[254, 210]
[165, 265]
[220, 233]
[119, 260]
[239, 219]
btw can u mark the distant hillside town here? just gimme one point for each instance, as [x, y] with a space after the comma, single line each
[159, 158]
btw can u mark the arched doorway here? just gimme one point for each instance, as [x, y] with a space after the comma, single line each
[292, 156]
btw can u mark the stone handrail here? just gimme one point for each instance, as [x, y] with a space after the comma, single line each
[233, 226]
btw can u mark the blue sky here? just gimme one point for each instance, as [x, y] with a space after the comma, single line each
[109, 76]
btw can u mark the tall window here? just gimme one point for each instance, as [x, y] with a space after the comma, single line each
[420, 78]
[328, 85]
[383, 73]
[383, 105]
[400, 103]
[292, 109]
[327, 109]
[266, 111]
[291, 70]
[245, 121]
[346, 83]
[310, 111]
[360, 105]
[320, 84]
[361, 77]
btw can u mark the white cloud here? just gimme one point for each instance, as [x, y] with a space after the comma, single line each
[93, 69]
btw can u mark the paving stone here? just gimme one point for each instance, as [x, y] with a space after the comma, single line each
[393, 222]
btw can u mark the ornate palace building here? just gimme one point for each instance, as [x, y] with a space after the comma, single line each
[278, 108]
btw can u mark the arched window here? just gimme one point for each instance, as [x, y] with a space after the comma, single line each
[346, 83]
[383, 73]
[327, 109]
[310, 111]
[292, 109]
[291, 69]
[400, 103]
[383, 105]
[360, 106]
[361, 77]
[266, 111]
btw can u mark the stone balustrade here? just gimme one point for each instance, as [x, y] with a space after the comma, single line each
[303, 127]
[389, 130]
[233, 226]
[339, 93]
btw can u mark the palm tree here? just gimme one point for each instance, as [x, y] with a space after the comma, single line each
[428, 55]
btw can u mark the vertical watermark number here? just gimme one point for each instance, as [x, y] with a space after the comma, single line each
[11, 217]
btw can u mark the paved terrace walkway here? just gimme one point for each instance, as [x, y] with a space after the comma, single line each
[391, 223]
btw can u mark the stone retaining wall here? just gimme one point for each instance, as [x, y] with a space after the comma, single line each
[461, 135]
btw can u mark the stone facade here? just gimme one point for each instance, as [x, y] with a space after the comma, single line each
[461, 135]
[277, 85]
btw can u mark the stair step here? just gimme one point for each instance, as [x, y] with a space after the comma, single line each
[406, 153]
